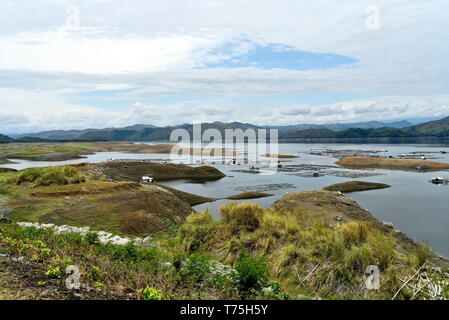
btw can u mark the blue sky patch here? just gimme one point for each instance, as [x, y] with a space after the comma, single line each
[276, 56]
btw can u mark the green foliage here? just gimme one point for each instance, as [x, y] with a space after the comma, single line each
[99, 285]
[97, 274]
[54, 273]
[131, 253]
[252, 273]
[92, 238]
[196, 269]
[127, 252]
[150, 293]
[274, 291]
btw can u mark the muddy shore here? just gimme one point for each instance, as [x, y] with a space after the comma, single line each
[394, 164]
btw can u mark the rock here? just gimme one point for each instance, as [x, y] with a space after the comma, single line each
[138, 240]
[4, 257]
[20, 259]
[339, 218]
[119, 240]
[388, 224]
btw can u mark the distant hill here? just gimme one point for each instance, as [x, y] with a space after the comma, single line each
[138, 132]
[107, 135]
[346, 126]
[143, 132]
[93, 134]
[4, 138]
[434, 128]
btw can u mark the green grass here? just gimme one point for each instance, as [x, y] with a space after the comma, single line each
[32, 213]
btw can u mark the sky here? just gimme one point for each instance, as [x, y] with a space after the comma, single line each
[68, 64]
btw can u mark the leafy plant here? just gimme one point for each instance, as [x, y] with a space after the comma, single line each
[252, 273]
[54, 273]
[150, 293]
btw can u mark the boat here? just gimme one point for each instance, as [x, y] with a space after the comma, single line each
[439, 180]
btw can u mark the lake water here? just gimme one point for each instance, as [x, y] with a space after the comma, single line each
[415, 206]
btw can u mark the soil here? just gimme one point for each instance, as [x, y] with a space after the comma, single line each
[352, 186]
[395, 164]
[249, 195]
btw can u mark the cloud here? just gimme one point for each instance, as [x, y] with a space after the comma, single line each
[73, 116]
[380, 108]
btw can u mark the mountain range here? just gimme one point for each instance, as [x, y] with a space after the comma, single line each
[144, 132]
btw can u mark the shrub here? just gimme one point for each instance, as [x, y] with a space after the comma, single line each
[252, 273]
[126, 252]
[92, 238]
[196, 268]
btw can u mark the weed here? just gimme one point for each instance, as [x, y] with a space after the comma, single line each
[252, 273]
[54, 273]
[150, 293]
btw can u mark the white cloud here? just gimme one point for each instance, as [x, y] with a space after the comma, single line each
[66, 115]
[381, 108]
[84, 51]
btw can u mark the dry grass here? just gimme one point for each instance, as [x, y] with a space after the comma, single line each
[241, 217]
[305, 254]
[396, 164]
[49, 176]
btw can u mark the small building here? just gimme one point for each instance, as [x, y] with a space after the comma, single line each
[147, 179]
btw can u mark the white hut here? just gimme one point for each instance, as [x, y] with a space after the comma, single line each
[147, 179]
